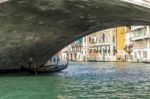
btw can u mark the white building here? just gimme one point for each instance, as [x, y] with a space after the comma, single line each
[141, 43]
[106, 45]
[100, 46]
[89, 47]
[64, 53]
[75, 53]
[85, 47]
[72, 52]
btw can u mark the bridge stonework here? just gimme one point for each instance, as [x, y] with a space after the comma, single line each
[40, 28]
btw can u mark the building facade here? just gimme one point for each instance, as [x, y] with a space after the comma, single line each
[141, 43]
[72, 52]
[98, 46]
[106, 45]
[120, 43]
[89, 47]
[129, 45]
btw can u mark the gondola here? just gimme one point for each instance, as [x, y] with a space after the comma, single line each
[146, 62]
[45, 69]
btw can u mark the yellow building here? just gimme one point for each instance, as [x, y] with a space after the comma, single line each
[120, 43]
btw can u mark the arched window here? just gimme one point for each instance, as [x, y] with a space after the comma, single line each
[103, 37]
[113, 39]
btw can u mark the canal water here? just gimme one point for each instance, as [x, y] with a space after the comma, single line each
[81, 81]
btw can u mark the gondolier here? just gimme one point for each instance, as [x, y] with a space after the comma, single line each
[30, 62]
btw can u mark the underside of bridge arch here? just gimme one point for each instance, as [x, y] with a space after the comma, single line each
[40, 28]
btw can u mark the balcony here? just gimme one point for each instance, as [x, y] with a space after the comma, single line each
[140, 38]
[101, 44]
[136, 27]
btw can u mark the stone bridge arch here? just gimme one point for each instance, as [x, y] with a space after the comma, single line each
[40, 28]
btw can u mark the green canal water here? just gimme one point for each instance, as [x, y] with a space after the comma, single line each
[81, 81]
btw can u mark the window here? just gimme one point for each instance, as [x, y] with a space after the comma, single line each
[108, 49]
[94, 50]
[103, 38]
[144, 54]
[114, 51]
[84, 39]
[90, 51]
[113, 39]
[144, 31]
[100, 51]
[135, 54]
[90, 39]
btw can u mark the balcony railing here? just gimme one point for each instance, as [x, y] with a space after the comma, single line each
[140, 37]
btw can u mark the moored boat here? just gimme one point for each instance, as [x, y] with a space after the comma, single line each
[147, 62]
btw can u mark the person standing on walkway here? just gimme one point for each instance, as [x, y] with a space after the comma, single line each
[58, 60]
[30, 62]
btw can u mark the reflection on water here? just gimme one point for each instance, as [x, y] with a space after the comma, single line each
[81, 81]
